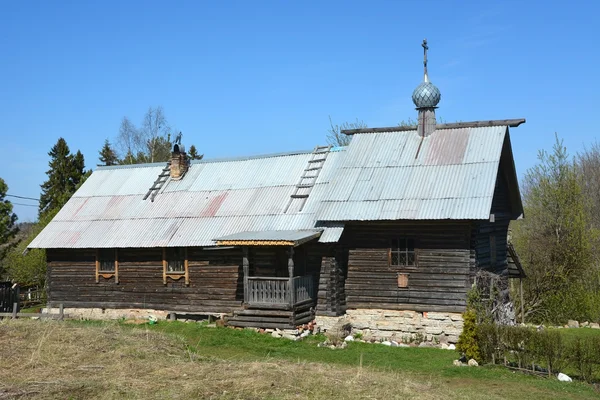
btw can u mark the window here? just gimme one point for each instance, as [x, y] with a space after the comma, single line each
[107, 264]
[402, 253]
[176, 260]
[175, 264]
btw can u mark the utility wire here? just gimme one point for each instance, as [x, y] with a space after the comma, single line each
[22, 197]
[21, 204]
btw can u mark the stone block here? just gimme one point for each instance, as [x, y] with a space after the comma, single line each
[572, 324]
[437, 316]
[433, 330]
[456, 317]
[452, 339]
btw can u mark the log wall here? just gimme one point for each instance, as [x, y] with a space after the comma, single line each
[439, 281]
[498, 229]
[215, 281]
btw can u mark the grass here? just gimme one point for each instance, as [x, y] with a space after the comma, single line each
[106, 360]
[574, 333]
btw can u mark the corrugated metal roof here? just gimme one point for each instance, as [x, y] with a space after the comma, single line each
[399, 175]
[214, 199]
[291, 236]
[379, 176]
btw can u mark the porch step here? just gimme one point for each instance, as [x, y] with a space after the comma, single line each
[240, 318]
[273, 318]
[264, 313]
[272, 325]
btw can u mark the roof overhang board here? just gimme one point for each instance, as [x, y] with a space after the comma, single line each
[515, 269]
[513, 123]
[269, 238]
[507, 164]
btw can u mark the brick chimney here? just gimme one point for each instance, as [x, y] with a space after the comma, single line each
[179, 160]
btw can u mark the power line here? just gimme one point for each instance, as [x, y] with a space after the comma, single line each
[21, 204]
[22, 197]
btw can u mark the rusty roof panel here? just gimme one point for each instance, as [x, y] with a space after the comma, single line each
[213, 199]
[399, 175]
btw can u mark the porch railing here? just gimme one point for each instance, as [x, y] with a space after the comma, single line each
[303, 289]
[277, 291]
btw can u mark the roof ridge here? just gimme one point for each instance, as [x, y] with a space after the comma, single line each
[513, 123]
[216, 160]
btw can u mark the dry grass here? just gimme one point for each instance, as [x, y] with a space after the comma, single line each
[76, 360]
[48, 360]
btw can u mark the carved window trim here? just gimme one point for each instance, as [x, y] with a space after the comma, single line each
[167, 261]
[107, 274]
[402, 253]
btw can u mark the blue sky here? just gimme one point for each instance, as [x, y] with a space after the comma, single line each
[252, 77]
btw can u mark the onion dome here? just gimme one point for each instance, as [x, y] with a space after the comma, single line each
[426, 95]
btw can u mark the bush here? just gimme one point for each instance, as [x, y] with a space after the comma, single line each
[529, 348]
[548, 345]
[467, 341]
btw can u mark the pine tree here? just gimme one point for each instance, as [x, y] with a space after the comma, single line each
[193, 153]
[8, 229]
[65, 175]
[107, 155]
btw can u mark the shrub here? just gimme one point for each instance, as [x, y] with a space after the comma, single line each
[467, 341]
[530, 348]
[489, 343]
[585, 357]
[548, 345]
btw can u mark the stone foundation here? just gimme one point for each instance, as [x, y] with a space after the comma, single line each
[108, 313]
[399, 326]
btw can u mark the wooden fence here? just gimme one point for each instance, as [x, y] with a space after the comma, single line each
[9, 295]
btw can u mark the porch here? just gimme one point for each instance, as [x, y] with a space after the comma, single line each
[282, 302]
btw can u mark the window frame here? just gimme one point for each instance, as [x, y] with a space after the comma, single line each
[175, 275]
[406, 252]
[106, 274]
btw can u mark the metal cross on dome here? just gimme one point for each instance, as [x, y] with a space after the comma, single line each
[425, 48]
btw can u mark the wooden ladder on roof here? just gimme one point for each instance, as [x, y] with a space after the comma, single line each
[309, 176]
[159, 182]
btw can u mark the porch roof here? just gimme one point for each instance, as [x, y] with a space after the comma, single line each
[269, 238]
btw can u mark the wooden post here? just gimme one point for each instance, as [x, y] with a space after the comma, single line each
[97, 265]
[164, 256]
[116, 265]
[521, 294]
[246, 271]
[186, 268]
[292, 295]
[61, 312]
[15, 309]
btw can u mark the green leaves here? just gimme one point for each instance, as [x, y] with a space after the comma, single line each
[555, 240]
[66, 174]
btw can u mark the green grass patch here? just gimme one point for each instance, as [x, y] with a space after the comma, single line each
[574, 333]
[247, 345]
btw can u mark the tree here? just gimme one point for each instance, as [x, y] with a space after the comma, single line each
[588, 163]
[128, 141]
[335, 137]
[107, 155]
[149, 143]
[193, 153]
[66, 174]
[29, 267]
[8, 219]
[554, 242]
